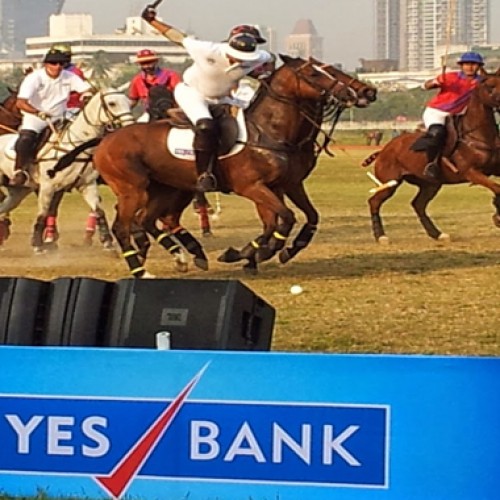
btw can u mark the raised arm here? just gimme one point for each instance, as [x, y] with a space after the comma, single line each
[173, 34]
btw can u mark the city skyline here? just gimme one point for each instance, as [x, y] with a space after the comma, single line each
[347, 26]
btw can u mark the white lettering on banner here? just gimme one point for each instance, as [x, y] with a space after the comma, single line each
[237, 448]
[23, 431]
[100, 439]
[208, 440]
[57, 435]
[329, 446]
[303, 451]
[204, 434]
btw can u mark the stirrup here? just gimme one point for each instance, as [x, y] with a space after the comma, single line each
[206, 182]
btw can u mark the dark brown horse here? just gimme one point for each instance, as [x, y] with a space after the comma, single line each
[470, 155]
[134, 160]
[10, 116]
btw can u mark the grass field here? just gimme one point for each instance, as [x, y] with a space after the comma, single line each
[414, 296]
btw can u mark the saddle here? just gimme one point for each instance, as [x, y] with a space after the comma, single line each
[227, 123]
[453, 127]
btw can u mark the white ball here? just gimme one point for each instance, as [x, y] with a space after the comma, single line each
[296, 289]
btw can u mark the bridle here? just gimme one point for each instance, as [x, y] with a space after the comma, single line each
[112, 120]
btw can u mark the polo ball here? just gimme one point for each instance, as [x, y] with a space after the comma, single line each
[296, 290]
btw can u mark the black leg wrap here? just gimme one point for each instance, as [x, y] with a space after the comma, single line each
[188, 241]
[305, 236]
[167, 242]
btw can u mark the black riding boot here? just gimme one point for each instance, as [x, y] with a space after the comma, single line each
[25, 148]
[205, 151]
[437, 136]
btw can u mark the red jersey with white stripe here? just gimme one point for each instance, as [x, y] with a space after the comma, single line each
[455, 91]
[142, 82]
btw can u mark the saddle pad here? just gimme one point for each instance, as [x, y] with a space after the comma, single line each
[180, 140]
[9, 150]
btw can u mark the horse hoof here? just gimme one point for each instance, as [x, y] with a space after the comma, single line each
[284, 256]
[108, 245]
[444, 238]
[147, 276]
[383, 240]
[201, 263]
[229, 256]
[39, 251]
[182, 267]
[207, 233]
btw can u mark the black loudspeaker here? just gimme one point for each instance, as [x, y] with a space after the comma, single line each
[21, 306]
[76, 312]
[199, 314]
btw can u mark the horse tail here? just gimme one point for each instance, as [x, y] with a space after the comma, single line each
[370, 159]
[69, 158]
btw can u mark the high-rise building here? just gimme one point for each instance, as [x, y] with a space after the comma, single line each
[417, 31]
[387, 29]
[20, 19]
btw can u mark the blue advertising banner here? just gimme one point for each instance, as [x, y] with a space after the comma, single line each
[145, 424]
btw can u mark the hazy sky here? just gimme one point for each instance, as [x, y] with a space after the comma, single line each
[346, 26]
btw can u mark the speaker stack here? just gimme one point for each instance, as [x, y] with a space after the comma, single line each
[198, 314]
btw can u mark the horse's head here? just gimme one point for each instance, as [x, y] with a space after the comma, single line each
[488, 90]
[305, 80]
[365, 92]
[108, 107]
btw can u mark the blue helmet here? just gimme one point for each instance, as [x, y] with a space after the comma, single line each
[471, 57]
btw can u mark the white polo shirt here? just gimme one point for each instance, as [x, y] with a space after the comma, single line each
[50, 95]
[211, 74]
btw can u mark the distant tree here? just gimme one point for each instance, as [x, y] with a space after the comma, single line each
[99, 66]
[389, 105]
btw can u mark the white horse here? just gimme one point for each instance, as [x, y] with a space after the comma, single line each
[107, 108]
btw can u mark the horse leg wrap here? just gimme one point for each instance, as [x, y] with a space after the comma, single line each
[134, 263]
[49, 234]
[102, 227]
[188, 241]
[91, 223]
[168, 243]
[302, 240]
[250, 249]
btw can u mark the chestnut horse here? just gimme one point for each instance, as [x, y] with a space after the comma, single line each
[471, 154]
[146, 177]
[10, 116]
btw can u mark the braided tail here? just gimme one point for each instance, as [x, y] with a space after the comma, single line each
[69, 158]
[370, 159]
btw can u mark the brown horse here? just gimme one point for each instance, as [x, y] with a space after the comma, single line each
[10, 116]
[471, 154]
[134, 159]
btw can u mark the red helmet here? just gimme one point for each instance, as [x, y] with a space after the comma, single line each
[145, 56]
[247, 29]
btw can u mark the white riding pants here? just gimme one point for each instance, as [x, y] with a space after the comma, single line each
[192, 102]
[433, 116]
[33, 122]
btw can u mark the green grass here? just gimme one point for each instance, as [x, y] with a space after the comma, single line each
[414, 296]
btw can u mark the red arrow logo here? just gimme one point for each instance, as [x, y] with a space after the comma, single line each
[117, 482]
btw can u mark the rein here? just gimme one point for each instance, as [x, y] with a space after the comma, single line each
[315, 116]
